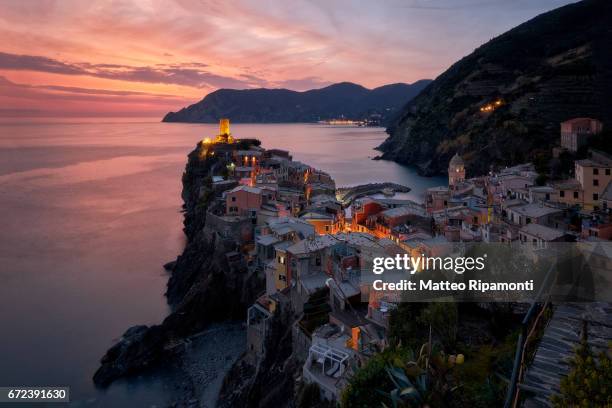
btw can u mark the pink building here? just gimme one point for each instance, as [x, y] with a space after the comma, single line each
[244, 201]
[576, 132]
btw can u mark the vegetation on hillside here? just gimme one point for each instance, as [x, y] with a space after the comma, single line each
[441, 355]
[589, 382]
[503, 104]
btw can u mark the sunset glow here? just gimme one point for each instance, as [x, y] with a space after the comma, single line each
[150, 57]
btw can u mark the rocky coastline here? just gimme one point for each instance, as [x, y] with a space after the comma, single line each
[200, 284]
[208, 286]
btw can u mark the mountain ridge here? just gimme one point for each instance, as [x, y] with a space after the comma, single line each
[549, 69]
[266, 105]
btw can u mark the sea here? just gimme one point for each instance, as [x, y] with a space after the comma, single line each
[89, 213]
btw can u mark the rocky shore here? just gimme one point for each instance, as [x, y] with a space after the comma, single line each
[210, 285]
[203, 288]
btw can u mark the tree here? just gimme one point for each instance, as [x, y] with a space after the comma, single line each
[361, 390]
[443, 318]
[589, 382]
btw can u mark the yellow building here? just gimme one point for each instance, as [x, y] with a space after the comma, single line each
[593, 174]
[568, 192]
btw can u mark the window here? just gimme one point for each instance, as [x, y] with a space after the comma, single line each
[547, 196]
[595, 196]
[282, 278]
[595, 182]
[561, 193]
[595, 171]
[318, 261]
[575, 194]
[281, 260]
[528, 220]
[607, 172]
[327, 228]
[233, 199]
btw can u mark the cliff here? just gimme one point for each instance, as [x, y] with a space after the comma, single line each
[552, 68]
[282, 105]
[202, 289]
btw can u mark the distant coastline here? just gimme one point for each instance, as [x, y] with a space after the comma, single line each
[342, 101]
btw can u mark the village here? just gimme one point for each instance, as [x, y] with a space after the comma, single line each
[291, 229]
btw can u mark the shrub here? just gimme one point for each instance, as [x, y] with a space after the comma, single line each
[589, 382]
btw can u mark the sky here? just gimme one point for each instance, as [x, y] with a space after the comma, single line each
[148, 57]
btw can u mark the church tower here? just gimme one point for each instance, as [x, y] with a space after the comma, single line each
[456, 171]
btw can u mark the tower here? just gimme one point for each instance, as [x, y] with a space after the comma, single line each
[456, 171]
[224, 132]
[224, 128]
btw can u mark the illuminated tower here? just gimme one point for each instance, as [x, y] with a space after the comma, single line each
[456, 171]
[224, 127]
[224, 132]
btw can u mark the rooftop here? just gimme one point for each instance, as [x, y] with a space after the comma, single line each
[456, 160]
[535, 210]
[320, 242]
[398, 212]
[542, 232]
[267, 240]
[316, 216]
[570, 184]
[252, 190]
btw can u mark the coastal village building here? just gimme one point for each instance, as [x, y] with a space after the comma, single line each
[539, 235]
[576, 132]
[244, 201]
[283, 222]
[594, 175]
[532, 214]
[456, 172]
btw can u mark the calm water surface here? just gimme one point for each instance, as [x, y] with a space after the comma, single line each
[89, 211]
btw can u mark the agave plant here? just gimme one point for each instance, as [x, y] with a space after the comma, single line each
[407, 392]
[417, 380]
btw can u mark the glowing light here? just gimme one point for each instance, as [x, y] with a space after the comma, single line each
[490, 107]
[207, 140]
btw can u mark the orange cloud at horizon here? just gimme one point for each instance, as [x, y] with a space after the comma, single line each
[151, 56]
